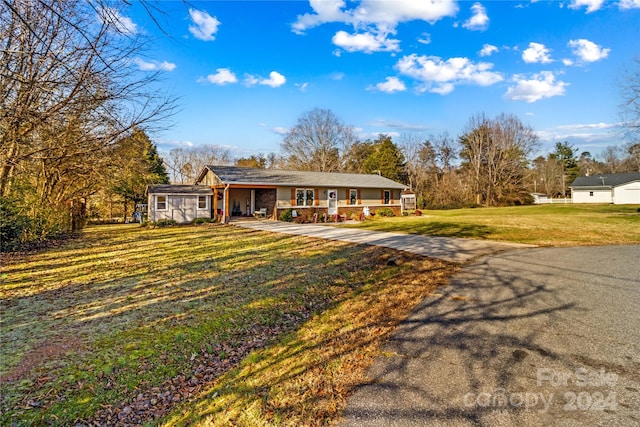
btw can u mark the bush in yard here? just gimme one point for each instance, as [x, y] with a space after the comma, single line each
[286, 215]
[384, 212]
[165, 223]
[199, 221]
[13, 225]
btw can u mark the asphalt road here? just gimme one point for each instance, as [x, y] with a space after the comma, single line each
[528, 337]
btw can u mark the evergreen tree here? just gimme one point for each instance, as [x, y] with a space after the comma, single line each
[565, 154]
[386, 159]
[136, 165]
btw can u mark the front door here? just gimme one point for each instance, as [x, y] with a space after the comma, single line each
[332, 202]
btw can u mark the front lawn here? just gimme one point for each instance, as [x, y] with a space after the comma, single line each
[543, 225]
[197, 325]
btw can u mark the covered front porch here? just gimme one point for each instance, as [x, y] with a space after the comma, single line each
[237, 201]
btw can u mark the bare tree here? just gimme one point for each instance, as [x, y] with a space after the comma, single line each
[67, 93]
[634, 156]
[629, 86]
[319, 141]
[184, 164]
[495, 153]
[547, 176]
[613, 159]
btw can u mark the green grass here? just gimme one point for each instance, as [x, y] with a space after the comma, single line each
[544, 225]
[182, 318]
[217, 325]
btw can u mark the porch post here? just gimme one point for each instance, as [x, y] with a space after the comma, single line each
[215, 201]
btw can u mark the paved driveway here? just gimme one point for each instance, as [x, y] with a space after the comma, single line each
[528, 337]
[536, 337]
[449, 249]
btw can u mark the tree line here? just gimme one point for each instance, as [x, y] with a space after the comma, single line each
[490, 163]
[73, 114]
[76, 115]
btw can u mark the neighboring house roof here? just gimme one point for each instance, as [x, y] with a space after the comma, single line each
[605, 180]
[290, 178]
[179, 189]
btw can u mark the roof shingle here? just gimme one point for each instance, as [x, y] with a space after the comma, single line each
[606, 180]
[241, 175]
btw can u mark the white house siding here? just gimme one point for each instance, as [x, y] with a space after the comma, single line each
[182, 208]
[627, 194]
[592, 195]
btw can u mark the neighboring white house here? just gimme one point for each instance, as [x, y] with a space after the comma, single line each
[616, 188]
[182, 203]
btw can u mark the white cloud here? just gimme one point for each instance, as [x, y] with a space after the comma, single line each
[275, 80]
[325, 11]
[595, 135]
[542, 85]
[205, 26]
[629, 4]
[588, 126]
[390, 85]
[479, 21]
[536, 53]
[222, 77]
[383, 16]
[438, 76]
[154, 65]
[122, 24]
[365, 42]
[302, 86]
[280, 130]
[250, 80]
[488, 50]
[425, 38]
[168, 145]
[568, 62]
[398, 125]
[588, 51]
[591, 5]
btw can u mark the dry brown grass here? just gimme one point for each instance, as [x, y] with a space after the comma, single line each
[306, 379]
[218, 324]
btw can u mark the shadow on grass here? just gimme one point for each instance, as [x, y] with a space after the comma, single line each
[434, 228]
[154, 308]
[470, 354]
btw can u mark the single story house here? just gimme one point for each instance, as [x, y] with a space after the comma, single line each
[182, 203]
[616, 188]
[238, 191]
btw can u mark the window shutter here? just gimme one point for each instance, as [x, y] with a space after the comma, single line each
[381, 197]
[391, 196]
[348, 197]
[293, 197]
[359, 198]
[316, 197]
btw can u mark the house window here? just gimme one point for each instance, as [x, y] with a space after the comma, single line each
[591, 193]
[304, 197]
[353, 197]
[161, 203]
[202, 202]
[387, 197]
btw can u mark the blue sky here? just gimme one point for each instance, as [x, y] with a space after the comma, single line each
[246, 70]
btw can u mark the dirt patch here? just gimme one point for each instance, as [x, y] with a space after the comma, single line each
[41, 354]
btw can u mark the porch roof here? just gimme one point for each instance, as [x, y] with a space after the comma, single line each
[179, 189]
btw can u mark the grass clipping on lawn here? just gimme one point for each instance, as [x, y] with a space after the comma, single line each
[305, 380]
